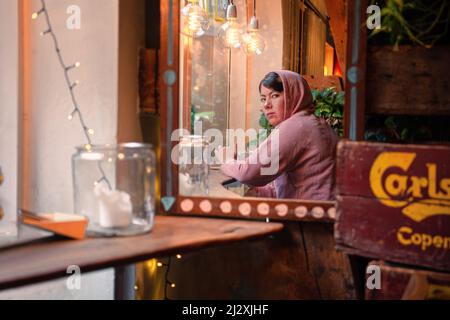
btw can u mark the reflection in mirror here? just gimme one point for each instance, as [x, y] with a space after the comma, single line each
[204, 64]
[220, 92]
[193, 171]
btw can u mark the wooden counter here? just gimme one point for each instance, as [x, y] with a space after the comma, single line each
[216, 189]
[49, 258]
[215, 186]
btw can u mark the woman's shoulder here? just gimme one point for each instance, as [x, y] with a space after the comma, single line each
[298, 123]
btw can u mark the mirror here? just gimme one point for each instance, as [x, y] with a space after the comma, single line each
[216, 100]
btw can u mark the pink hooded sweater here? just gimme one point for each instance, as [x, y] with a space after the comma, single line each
[307, 150]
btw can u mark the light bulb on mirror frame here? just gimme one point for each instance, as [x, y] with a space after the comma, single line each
[253, 43]
[195, 20]
[230, 32]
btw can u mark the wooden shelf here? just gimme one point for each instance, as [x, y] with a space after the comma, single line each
[49, 258]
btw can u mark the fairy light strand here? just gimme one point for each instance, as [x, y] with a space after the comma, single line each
[166, 279]
[71, 85]
[88, 132]
[168, 283]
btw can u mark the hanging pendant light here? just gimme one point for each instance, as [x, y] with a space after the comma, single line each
[195, 19]
[230, 32]
[252, 41]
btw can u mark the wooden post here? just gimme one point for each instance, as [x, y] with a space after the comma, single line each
[355, 71]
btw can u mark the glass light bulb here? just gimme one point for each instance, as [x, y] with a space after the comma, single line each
[253, 43]
[230, 34]
[195, 20]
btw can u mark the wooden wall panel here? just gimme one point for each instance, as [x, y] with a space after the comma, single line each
[412, 81]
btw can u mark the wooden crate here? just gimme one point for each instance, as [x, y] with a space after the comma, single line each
[399, 282]
[394, 203]
[411, 81]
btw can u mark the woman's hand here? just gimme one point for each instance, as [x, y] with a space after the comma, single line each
[252, 192]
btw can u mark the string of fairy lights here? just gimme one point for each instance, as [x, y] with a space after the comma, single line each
[76, 111]
[168, 283]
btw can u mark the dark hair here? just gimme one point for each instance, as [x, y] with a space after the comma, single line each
[272, 81]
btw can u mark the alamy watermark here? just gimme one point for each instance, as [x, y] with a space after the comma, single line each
[73, 22]
[374, 19]
[373, 281]
[73, 281]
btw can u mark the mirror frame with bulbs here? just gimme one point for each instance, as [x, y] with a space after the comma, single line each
[175, 203]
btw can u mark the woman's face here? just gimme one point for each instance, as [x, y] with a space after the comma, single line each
[273, 105]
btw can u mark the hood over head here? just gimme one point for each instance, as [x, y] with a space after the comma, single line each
[297, 94]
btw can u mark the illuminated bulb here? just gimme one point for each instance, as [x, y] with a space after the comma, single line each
[35, 15]
[195, 19]
[75, 65]
[253, 42]
[121, 156]
[230, 35]
[159, 264]
[88, 147]
[74, 84]
[230, 32]
[172, 285]
[178, 256]
[91, 131]
[70, 116]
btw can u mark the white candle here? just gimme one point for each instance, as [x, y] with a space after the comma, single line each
[115, 207]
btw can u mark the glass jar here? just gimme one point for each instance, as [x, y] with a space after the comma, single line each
[114, 187]
[193, 165]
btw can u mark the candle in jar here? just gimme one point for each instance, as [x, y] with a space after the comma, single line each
[115, 207]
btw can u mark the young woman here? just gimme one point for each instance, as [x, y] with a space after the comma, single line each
[305, 145]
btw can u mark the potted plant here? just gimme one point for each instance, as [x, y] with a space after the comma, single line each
[330, 105]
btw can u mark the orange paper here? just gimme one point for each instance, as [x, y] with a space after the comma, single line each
[68, 225]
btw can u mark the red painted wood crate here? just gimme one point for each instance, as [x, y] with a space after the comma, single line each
[397, 282]
[394, 203]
